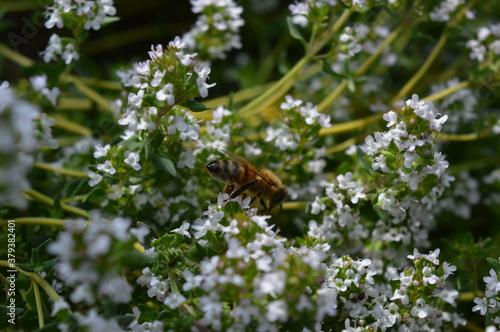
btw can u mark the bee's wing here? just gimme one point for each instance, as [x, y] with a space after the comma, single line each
[249, 166]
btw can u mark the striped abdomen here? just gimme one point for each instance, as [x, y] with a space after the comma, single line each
[230, 171]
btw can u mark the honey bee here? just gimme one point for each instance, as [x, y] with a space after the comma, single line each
[262, 184]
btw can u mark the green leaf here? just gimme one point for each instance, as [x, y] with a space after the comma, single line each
[164, 163]
[195, 106]
[362, 159]
[35, 257]
[494, 263]
[150, 100]
[133, 259]
[30, 297]
[294, 32]
[327, 69]
[148, 314]
[351, 85]
[152, 145]
[132, 144]
[56, 212]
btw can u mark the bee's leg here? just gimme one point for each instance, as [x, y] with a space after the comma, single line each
[258, 193]
[264, 206]
[229, 189]
[243, 188]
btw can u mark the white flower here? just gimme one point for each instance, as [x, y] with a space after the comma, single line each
[203, 72]
[53, 48]
[391, 117]
[107, 167]
[55, 18]
[69, 54]
[94, 178]
[166, 93]
[158, 77]
[219, 113]
[101, 151]
[192, 281]
[317, 206]
[271, 283]
[277, 311]
[183, 230]
[174, 301]
[158, 289]
[186, 159]
[481, 304]
[401, 294]
[132, 159]
[290, 103]
[135, 100]
[177, 43]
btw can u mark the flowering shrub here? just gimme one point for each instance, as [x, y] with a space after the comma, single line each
[380, 117]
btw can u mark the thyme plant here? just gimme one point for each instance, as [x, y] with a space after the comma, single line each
[380, 117]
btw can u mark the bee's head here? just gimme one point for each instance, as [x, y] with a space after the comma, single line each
[279, 198]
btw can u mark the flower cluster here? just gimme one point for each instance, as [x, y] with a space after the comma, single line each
[307, 11]
[39, 84]
[486, 47]
[272, 295]
[75, 15]
[490, 304]
[155, 249]
[84, 249]
[442, 12]
[408, 142]
[65, 12]
[19, 142]
[422, 295]
[216, 30]
[302, 123]
[170, 77]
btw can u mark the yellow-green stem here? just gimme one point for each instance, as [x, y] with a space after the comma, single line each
[38, 302]
[351, 125]
[361, 70]
[51, 168]
[50, 202]
[62, 122]
[422, 70]
[271, 95]
[342, 146]
[104, 103]
[409, 86]
[16, 57]
[448, 91]
[39, 280]
[39, 221]
[294, 205]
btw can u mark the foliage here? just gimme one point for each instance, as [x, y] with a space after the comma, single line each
[380, 117]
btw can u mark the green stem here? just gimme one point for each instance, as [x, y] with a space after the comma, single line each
[50, 202]
[51, 168]
[361, 70]
[16, 57]
[173, 283]
[38, 302]
[351, 125]
[435, 52]
[40, 221]
[422, 70]
[271, 95]
[90, 93]
[448, 91]
[39, 280]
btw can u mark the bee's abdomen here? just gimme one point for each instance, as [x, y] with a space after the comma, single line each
[228, 171]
